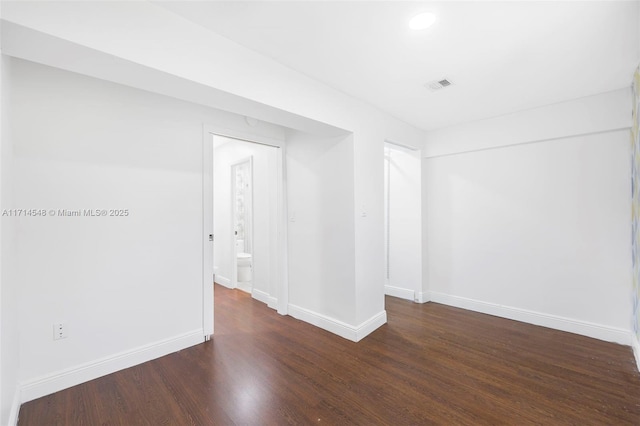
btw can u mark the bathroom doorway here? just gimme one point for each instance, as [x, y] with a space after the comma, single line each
[242, 224]
[248, 217]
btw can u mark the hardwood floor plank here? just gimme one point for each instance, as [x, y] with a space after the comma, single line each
[431, 364]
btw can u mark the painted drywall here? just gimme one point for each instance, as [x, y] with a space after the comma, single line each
[591, 114]
[124, 30]
[264, 180]
[144, 46]
[9, 308]
[320, 228]
[403, 177]
[635, 206]
[535, 231]
[125, 286]
[638, 33]
[368, 201]
[188, 52]
[635, 202]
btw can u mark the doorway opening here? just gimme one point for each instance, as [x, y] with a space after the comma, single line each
[245, 215]
[244, 218]
[403, 222]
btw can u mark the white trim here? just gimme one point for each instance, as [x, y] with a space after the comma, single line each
[635, 345]
[585, 328]
[371, 325]
[282, 229]
[423, 297]
[15, 409]
[332, 325]
[224, 281]
[403, 293]
[69, 377]
[244, 136]
[543, 140]
[208, 274]
[342, 329]
[264, 297]
[402, 147]
[244, 286]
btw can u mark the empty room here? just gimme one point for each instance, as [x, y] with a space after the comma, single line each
[319, 212]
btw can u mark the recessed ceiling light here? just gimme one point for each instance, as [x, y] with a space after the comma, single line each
[422, 21]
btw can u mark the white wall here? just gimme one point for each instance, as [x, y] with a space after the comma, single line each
[368, 199]
[264, 212]
[638, 34]
[405, 224]
[9, 321]
[591, 114]
[320, 210]
[190, 53]
[540, 231]
[88, 140]
[129, 286]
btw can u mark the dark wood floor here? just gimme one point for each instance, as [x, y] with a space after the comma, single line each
[431, 364]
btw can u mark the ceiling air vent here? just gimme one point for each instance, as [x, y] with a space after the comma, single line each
[438, 84]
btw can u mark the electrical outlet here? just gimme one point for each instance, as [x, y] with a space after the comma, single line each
[59, 331]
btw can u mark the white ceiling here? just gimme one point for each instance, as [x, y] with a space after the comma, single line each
[501, 56]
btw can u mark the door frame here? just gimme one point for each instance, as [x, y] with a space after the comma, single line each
[234, 224]
[281, 276]
[414, 291]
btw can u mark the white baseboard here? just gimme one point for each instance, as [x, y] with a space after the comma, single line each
[423, 297]
[402, 293]
[64, 379]
[245, 286]
[405, 293]
[597, 331]
[264, 297]
[342, 329]
[635, 345]
[224, 281]
[15, 409]
[371, 325]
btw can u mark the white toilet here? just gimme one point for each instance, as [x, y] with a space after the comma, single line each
[244, 262]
